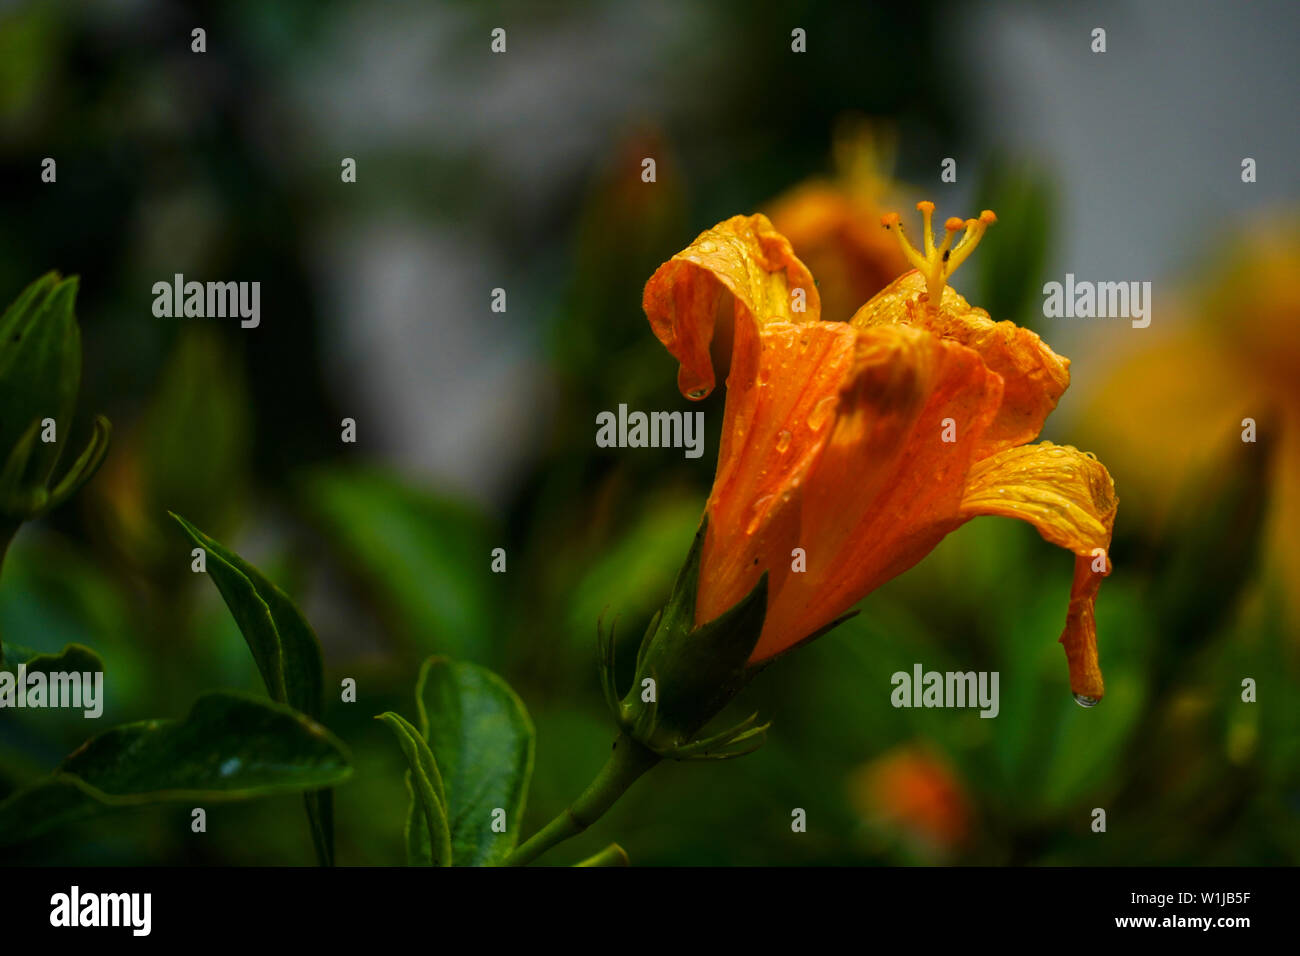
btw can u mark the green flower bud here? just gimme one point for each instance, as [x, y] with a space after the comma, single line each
[40, 374]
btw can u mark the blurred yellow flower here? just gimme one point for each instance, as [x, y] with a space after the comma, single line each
[1170, 408]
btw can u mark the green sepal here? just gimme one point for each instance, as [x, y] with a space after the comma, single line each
[87, 463]
[696, 671]
[612, 855]
[728, 743]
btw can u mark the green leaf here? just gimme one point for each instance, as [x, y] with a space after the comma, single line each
[483, 740]
[428, 837]
[286, 650]
[421, 556]
[73, 658]
[230, 747]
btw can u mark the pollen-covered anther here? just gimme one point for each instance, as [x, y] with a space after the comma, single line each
[937, 262]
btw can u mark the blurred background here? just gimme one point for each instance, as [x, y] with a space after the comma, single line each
[475, 428]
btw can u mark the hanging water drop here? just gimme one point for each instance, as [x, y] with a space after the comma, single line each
[1083, 700]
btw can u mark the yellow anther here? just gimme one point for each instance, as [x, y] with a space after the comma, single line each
[951, 227]
[939, 262]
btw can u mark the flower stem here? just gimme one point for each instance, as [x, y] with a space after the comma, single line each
[628, 761]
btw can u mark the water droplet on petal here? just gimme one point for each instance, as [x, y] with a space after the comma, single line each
[757, 512]
[1083, 700]
[697, 393]
[764, 374]
[783, 440]
[821, 411]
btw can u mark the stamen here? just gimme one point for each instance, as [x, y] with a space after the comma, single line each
[975, 229]
[939, 262]
[927, 208]
[951, 227]
[891, 222]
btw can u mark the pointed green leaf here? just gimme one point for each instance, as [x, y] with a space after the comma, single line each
[283, 643]
[483, 740]
[230, 747]
[286, 650]
[433, 846]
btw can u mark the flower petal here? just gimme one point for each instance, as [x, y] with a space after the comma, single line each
[744, 256]
[1034, 377]
[887, 486]
[1069, 497]
[781, 392]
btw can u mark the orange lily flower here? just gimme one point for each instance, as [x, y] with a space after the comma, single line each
[855, 447]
